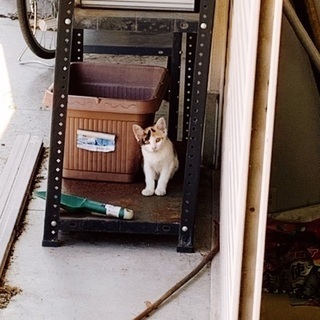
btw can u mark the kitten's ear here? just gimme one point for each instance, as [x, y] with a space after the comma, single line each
[138, 132]
[161, 125]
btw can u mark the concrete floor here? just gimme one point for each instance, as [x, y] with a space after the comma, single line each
[91, 276]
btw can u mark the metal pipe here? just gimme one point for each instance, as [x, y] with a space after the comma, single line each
[301, 33]
[314, 21]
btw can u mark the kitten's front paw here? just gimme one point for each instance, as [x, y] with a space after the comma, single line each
[160, 192]
[147, 192]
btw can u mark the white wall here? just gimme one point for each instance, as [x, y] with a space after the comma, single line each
[295, 175]
[236, 132]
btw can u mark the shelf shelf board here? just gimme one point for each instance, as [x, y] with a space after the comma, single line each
[135, 20]
[153, 215]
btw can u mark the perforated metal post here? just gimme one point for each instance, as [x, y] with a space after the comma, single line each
[77, 45]
[191, 43]
[58, 123]
[174, 87]
[196, 124]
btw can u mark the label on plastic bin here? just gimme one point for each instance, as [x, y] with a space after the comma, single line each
[95, 141]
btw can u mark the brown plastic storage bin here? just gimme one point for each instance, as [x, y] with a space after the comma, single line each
[109, 98]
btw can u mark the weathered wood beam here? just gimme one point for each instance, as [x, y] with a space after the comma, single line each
[15, 183]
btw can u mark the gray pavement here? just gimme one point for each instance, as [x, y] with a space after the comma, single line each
[91, 277]
[21, 90]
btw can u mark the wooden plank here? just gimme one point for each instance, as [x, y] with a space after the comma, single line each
[263, 112]
[219, 47]
[212, 140]
[8, 174]
[304, 214]
[301, 33]
[15, 183]
[314, 21]
[134, 14]
[175, 5]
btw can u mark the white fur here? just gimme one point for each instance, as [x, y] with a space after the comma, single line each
[160, 160]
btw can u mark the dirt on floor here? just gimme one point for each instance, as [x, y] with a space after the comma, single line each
[6, 293]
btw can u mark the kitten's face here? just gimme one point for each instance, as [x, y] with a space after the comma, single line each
[151, 139]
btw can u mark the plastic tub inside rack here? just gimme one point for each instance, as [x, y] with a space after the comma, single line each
[105, 100]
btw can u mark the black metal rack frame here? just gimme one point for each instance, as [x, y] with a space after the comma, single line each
[198, 27]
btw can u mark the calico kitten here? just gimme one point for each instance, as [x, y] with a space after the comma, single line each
[159, 156]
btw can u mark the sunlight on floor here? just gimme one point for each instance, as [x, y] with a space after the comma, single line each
[6, 98]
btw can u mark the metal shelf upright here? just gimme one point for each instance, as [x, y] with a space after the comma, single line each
[198, 29]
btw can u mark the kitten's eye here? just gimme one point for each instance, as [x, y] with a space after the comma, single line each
[158, 139]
